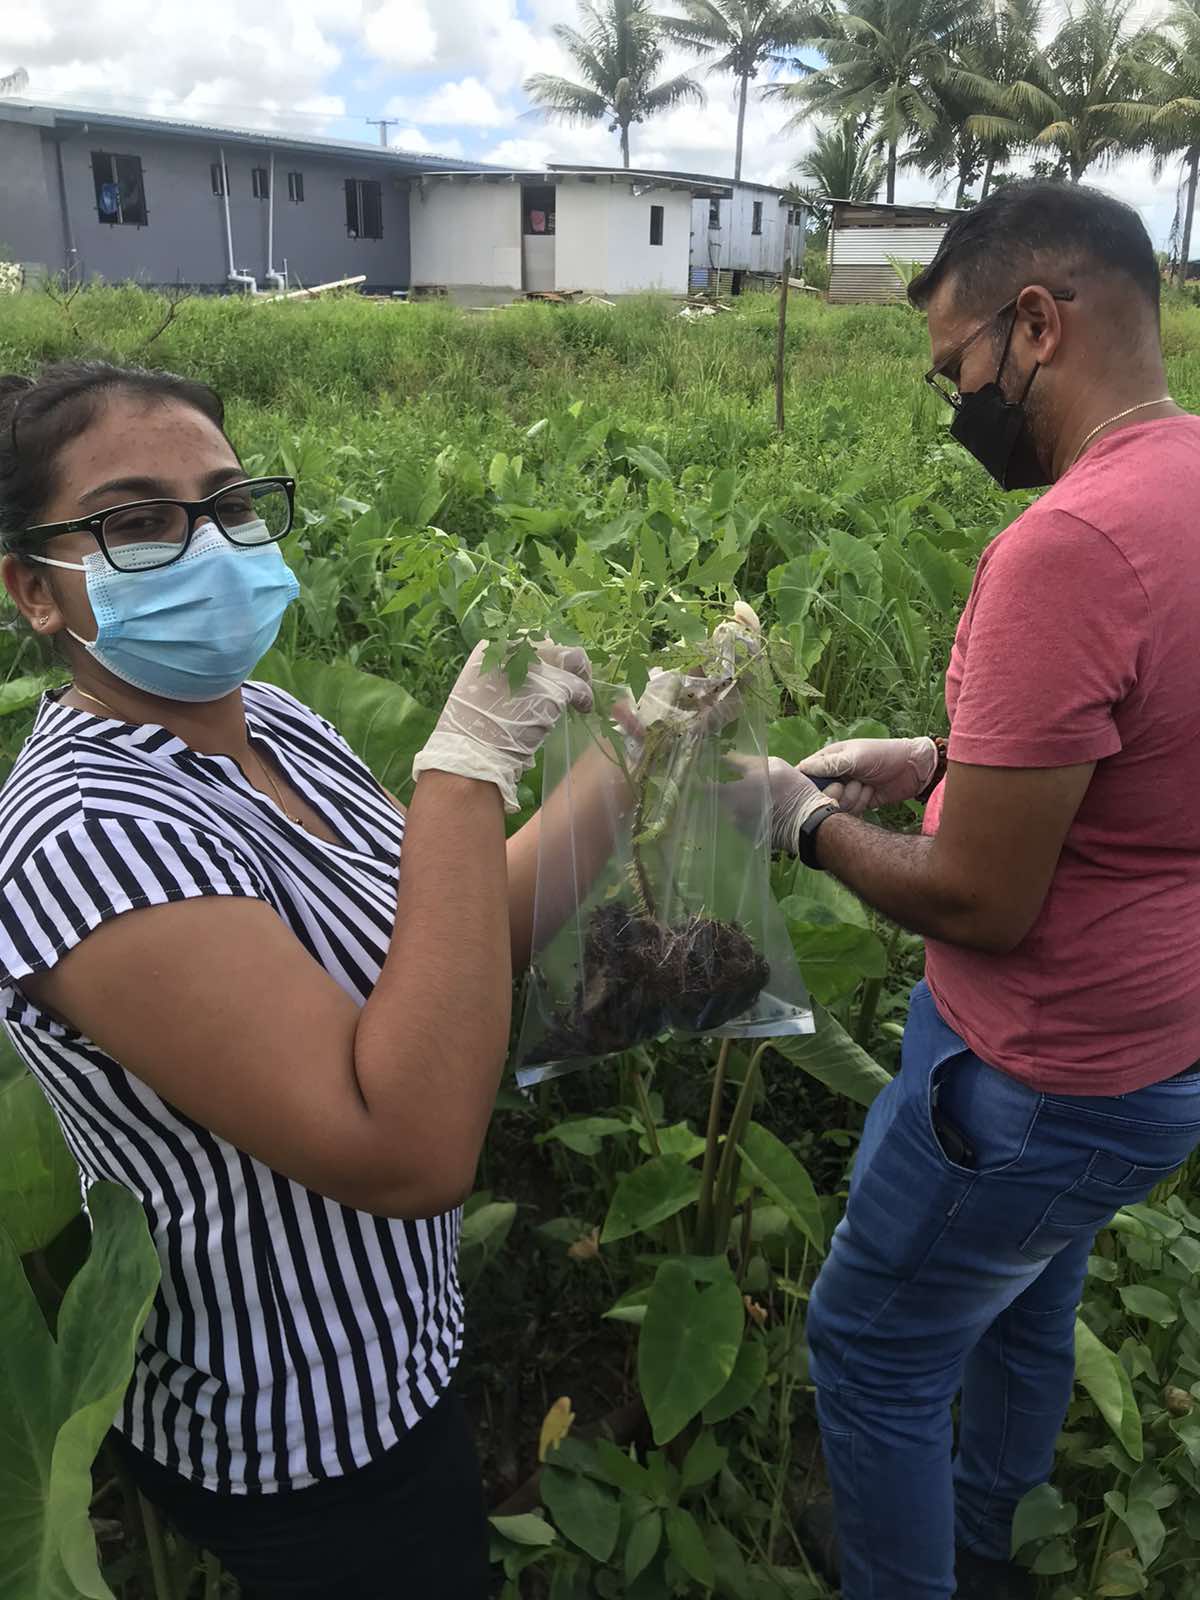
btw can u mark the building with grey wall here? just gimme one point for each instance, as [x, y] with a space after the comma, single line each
[138, 198]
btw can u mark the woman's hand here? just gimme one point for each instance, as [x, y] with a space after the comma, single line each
[876, 772]
[492, 732]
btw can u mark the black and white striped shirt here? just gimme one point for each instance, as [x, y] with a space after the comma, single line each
[292, 1338]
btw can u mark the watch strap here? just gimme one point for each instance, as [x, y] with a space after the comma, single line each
[806, 842]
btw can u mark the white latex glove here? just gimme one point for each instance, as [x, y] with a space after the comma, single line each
[491, 732]
[793, 798]
[876, 772]
[713, 696]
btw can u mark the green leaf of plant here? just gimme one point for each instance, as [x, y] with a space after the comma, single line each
[1056, 1557]
[1186, 1251]
[688, 1346]
[1142, 1301]
[946, 579]
[585, 1512]
[621, 1470]
[642, 1546]
[1146, 1526]
[747, 1378]
[677, 1140]
[39, 1181]
[831, 1056]
[773, 1166]
[380, 721]
[1041, 1514]
[688, 1546]
[834, 957]
[649, 1195]
[20, 693]
[631, 1307]
[703, 1461]
[1120, 1575]
[648, 462]
[584, 1134]
[58, 1396]
[529, 1529]
[1098, 1371]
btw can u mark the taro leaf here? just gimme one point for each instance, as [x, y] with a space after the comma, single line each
[484, 1230]
[835, 957]
[39, 1181]
[816, 897]
[1099, 1372]
[688, 1546]
[1121, 1574]
[732, 1578]
[831, 1056]
[946, 579]
[1143, 1522]
[688, 1346]
[747, 1378]
[649, 1195]
[380, 721]
[19, 693]
[677, 1140]
[703, 1461]
[584, 1134]
[642, 1547]
[529, 1529]
[1142, 1301]
[1055, 1557]
[1186, 1251]
[58, 1397]
[631, 1307]
[621, 1470]
[585, 1512]
[647, 461]
[773, 1166]
[1041, 1514]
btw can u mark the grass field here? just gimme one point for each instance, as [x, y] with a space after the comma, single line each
[464, 475]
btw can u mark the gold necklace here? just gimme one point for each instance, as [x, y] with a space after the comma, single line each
[262, 765]
[1143, 405]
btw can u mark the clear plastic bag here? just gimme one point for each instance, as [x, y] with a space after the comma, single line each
[653, 911]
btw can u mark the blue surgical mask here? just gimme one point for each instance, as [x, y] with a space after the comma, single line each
[193, 630]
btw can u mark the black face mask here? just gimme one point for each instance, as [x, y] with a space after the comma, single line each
[996, 431]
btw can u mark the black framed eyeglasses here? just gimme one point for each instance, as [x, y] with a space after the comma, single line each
[947, 387]
[147, 534]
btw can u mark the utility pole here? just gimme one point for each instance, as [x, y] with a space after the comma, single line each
[780, 337]
[383, 124]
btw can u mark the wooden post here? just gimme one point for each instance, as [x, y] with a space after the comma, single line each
[779, 341]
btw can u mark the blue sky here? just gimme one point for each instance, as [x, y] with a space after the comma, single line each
[447, 72]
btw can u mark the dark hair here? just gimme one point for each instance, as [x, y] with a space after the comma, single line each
[39, 415]
[1038, 229]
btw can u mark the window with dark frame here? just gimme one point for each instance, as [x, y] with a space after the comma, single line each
[218, 178]
[364, 208]
[656, 224]
[756, 221]
[296, 186]
[714, 213]
[120, 189]
[260, 183]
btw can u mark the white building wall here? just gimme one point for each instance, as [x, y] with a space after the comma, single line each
[581, 213]
[602, 238]
[466, 234]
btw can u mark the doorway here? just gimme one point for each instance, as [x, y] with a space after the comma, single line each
[537, 236]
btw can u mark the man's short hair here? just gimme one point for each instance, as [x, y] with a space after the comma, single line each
[1038, 231]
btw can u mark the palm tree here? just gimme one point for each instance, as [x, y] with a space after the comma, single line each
[1167, 71]
[997, 50]
[618, 50]
[843, 164]
[1070, 99]
[884, 60]
[14, 82]
[742, 36]
[950, 146]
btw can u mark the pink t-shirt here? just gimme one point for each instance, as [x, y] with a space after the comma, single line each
[1081, 642]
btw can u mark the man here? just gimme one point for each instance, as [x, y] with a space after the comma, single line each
[1045, 1077]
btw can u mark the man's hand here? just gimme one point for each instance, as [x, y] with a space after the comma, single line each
[792, 798]
[876, 772]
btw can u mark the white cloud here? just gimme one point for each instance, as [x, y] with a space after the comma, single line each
[415, 142]
[465, 104]
[400, 34]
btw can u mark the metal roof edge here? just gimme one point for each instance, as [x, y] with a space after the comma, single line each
[692, 177]
[899, 205]
[554, 172]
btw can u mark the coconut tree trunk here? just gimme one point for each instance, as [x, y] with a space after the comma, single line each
[624, 144]
[987, 177]
[891, 173]
[1185, 242]
[963, 174]
[743, 94]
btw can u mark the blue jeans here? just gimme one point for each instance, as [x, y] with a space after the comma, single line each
[949, 1274]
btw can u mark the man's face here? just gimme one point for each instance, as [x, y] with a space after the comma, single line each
[965, 347]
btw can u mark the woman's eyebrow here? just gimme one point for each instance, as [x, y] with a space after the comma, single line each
[156, 488]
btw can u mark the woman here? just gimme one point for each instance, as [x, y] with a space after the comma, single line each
[291, 1051]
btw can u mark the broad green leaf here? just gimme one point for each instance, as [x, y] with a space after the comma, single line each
[1056, 1557]
[631, 1307]
[529, 1529]
[831, 1056]
[1186, 1251]
[1120, 1575]
[585, 1512]
[773, 1166]
[642, 1546]
[732, 1577]
[703, 1461]
[946, 579]
[747, 1378]
[58, 1397]
[1099, 1372]
[647, 461]
[688, 1547]
[1142, 1301]
[649, 1195]
[621, 1470]
[380, 721]
[584, 1134]
[677, 1140]
[1041, 1514]
[793, 738]
[816, 897]
[484, 1231]
[854, 555]
[39, 1181]
[20, 693]
[835, 957]
[1143, 1522]
[688, 1346]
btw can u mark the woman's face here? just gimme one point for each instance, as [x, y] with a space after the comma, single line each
[133, 449]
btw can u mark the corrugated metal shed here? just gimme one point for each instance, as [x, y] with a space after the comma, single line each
[863, 236]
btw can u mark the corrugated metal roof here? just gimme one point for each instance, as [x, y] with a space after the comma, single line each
[874, 213]
[691, 177]
[51, 116]
[552, 175]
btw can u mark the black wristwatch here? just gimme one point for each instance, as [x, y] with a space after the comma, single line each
[806, 843]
